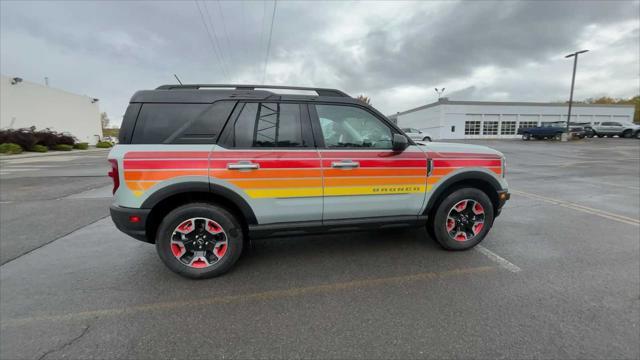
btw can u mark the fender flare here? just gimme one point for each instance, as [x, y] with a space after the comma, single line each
[202, 187]
[463, 176]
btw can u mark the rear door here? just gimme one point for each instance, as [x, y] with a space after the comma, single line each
[362, 176]
[267, 155]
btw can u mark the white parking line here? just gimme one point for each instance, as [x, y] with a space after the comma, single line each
[502, 262]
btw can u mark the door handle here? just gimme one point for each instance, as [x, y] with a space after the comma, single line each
[345, 164]
[243, 165]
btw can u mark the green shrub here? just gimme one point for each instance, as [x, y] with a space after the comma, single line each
[39, 148]
[10, 148]
[104, 144]
[26, 138]
[63, 147]
[81, 146]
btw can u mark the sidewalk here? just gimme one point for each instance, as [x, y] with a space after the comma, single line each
[27, 154]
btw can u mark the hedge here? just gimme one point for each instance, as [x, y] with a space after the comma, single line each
[63, 147]
[28, 137]
[81, 146]
[104, 144]
[10, 148]
[39, 148]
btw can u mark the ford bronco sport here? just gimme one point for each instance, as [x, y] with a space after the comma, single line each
[199, 169]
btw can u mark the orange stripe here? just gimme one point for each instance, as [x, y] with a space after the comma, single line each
[373, 181]
[161, 175]
[138, 185]
[277, 184]
[497, 170]
[433, 179]
[440, 171]
[265, 173]
[375, 172]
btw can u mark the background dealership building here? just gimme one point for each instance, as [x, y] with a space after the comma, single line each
[24, 104]
[447, 119]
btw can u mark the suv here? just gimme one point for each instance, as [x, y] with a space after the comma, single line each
[612, 128]
[200, 169]
[416, 135]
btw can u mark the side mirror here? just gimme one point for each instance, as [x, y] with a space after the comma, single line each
[399, 142]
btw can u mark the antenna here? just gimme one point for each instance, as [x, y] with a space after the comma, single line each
[176, 76]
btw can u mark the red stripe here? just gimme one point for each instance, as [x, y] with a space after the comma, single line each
[459, 155]
[382, 163]
[167, 155]
[371, 154]
[263, 154]
[465, 163]
[270, 164]
[165, 164]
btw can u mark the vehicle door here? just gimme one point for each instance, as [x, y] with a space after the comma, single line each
[266, 153]
[362, 176]
[616, 128]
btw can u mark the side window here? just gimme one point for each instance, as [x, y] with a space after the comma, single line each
[615, 124]
[180, 123]
[351, 127]
[266, 125]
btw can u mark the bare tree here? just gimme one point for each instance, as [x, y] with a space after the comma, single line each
[104, 120]
[364, 99]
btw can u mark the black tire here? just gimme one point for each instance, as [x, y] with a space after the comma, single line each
[627, 134]
[228, 222]
[442, 212]
[426, 138]
[557, 136]
[600, 135]
[637, 136]
[526, 136]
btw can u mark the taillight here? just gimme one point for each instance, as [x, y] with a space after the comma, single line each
[114, 174]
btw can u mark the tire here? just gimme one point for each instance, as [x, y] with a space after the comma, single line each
[442, 220]
[426, 138]
[526, 136]
[226, 242]
[637, 134]
[627, 134]
[600, 135]
[557, 136]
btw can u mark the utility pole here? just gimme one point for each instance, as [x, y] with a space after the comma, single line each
[573, 81]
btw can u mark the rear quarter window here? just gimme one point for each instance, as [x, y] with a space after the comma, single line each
[181, 123]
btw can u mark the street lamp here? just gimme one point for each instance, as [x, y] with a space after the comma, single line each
[573, 81]
[440, 92]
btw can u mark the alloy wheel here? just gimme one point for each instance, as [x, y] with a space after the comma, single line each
[465, 220]
[199, 242]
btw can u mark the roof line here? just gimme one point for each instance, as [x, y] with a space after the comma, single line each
[503, 103]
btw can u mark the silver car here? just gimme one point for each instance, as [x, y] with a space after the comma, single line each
[417, 135]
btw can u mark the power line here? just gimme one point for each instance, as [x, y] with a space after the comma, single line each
[264, 11]
[215, 35]
[266, 59]
[211, 42]
[224, 27]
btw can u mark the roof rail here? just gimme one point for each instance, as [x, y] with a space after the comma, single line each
[319, 91]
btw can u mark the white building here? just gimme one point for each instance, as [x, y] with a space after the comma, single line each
[447, 119]
[24, 104]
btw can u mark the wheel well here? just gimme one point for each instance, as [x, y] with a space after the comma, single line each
[480, 184]
[162, 208]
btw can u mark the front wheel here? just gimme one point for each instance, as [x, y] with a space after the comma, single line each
[463, 219]
[199, 240]
[526, 136]
[426, 138]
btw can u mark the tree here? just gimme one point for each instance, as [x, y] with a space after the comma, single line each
[630, 101]
[364, 99]
[104, 120]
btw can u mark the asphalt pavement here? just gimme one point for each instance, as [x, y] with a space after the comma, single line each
[557, 277]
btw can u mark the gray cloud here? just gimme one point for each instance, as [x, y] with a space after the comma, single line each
[395, 52]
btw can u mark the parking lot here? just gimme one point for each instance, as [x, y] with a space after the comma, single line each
[557, 277]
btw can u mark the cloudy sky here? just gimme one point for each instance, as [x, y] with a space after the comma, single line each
[394, 52]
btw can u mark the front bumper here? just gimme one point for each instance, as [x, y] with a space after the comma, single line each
[123, 216]
[503, 196]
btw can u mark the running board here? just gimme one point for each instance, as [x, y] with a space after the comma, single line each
[335, 226]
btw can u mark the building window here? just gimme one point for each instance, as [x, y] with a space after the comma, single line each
[528, 124]
[472, 127]
[453, 128]
[508, 128]
[490, 128]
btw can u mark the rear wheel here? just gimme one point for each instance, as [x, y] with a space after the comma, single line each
[637, 134]
[557, 136]
[463, 219]
[526, 136]
[199, 240]
[627, 134]
[426, 138]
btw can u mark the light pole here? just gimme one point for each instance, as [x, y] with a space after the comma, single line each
[573, 81]
[439, 92]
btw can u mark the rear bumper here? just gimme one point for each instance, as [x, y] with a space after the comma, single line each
[122, 216]
[503, 196]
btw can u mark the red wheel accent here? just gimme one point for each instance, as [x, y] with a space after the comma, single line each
[461, 205]
[185, 227]
[461, 237]
[214, 227]
[220, 251]
[450, 224]
[176, 250]
[477, 228]
[199, 264]
[199, 242]
[478, 209]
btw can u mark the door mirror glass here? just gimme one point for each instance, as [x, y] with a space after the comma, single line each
[400, 142]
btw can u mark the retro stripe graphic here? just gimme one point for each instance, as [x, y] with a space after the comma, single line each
[286, 174]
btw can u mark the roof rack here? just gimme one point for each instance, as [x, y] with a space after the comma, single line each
[319, 91]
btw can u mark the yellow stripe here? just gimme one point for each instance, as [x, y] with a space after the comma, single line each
[374, 190]
[284, 193]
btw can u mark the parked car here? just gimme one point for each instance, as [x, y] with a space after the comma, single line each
[200, 169]
[417, 135]
[615, 128]
[552, 131]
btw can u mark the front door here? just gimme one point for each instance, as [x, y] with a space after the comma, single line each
[362, 176]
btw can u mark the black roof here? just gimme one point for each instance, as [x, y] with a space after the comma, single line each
[208, 93]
